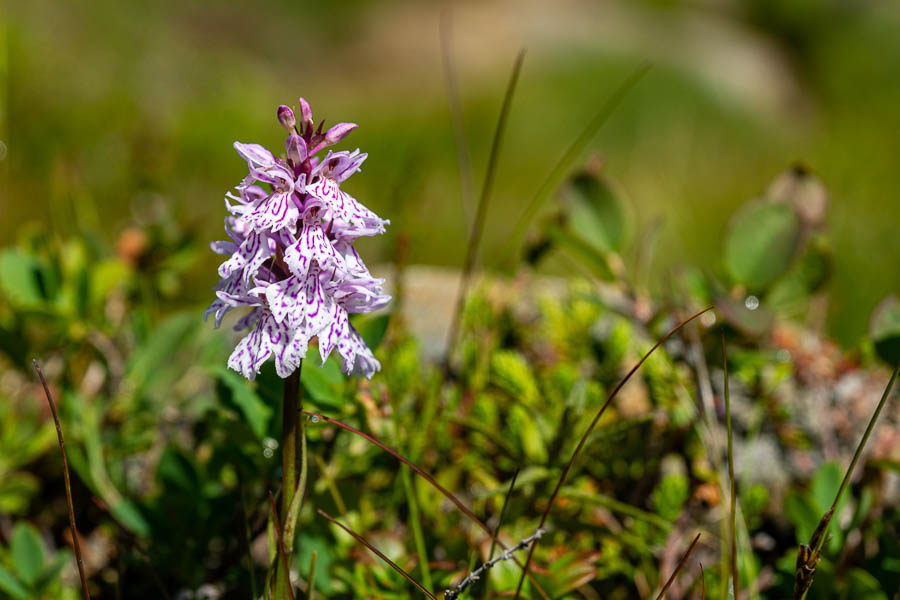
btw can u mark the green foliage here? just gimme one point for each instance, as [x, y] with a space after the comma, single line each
[180, 453]
[760, 243]
[884, 330]
[512, 374]
[806, 508]
[596, 212]
[590, 225]
[670, 495]
[32, 573]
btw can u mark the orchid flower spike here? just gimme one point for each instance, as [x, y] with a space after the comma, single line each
[290, 255]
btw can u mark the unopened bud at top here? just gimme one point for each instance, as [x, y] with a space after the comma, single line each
[339, 132]
[286, 117]
[305, 112]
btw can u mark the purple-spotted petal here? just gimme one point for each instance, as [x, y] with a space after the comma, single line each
[341, 336]
[253, 350]
[268, 338]
[278, 211]
[341, 205]
[312, 245]
[251, 254]
[248, 320]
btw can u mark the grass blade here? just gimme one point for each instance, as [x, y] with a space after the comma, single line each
[808, 556]
[565, 162]
[734, 565]
[311, 578]
[587, 433]
[671, 580]
[456, 501]
[512, 485]
[377, 552]
[68, 483]
[481, 211]
[467, 182]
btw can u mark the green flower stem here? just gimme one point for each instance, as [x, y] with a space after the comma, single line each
[292, 444]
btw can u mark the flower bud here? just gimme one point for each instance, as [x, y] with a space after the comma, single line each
[286, 117]
[305, 112]
[296, 149]
[339, 132]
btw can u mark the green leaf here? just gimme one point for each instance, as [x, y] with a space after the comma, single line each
[803, 514]
[825, 485]
[670, 495]
[16, 489]
[11, 585]
[523, 423]
[760, 243]
[52, 570]
[862, 586]
[233, 391]
[105, 277]
[20, 278]
[580, 250]
[372, 328]
[596, 213]
[162, 345]
[324, 384]
[27, 551]
[884, 329]
[175, 469]
[130, 516]
[511, 372]
[805, 277]
[324, 559]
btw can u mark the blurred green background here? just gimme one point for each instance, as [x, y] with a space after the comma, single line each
[115, 108]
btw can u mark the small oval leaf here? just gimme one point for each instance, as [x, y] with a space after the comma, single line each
[760, 243]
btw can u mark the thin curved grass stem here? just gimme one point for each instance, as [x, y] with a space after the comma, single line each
[377, 552]
[483, 201]
[671, 580]
[68, 483]
[456, 501]
[587, 433]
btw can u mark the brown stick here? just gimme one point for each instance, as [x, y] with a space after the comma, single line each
[377, 552]
[62, 448]
[674, 574]
[702, 583]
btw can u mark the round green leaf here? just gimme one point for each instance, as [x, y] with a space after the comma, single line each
[760, 243]
[596, 213]
[20, 278]
[27, 552]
